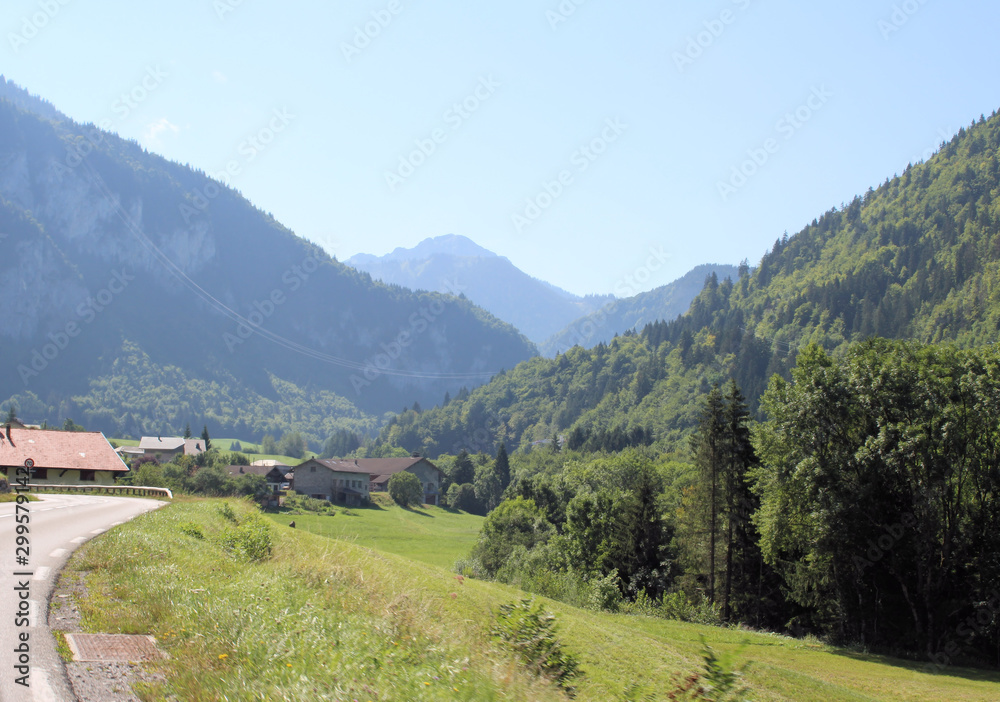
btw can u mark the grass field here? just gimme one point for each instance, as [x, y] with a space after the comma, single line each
[429, 534]
[224, 444]
[323, 612]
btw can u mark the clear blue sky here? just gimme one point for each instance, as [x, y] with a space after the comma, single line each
[872, 92]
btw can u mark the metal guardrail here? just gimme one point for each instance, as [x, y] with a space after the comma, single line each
[138, 490]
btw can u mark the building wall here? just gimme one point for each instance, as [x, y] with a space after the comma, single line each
[430, 478]
[325, 482]
[70, 477]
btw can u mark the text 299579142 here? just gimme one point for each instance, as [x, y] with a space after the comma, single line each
[22, 588]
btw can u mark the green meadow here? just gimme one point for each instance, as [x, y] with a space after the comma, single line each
[428, 534]
[364, 606]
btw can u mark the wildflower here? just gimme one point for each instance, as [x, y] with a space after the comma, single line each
[223, 656]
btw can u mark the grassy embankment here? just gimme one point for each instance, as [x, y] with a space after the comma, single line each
[329, 618]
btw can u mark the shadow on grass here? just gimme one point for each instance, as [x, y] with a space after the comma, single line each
[415, 510]
[921, 666]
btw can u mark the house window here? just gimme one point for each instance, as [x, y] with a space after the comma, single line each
[312, 469]
[87, 475]
[39, 473]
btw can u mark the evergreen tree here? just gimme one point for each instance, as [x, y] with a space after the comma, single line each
[463, 471]
[709, 445]
[187, 431]
[503, 466]
[204, 437]
[740, 457]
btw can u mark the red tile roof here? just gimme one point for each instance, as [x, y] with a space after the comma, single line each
[60, 450]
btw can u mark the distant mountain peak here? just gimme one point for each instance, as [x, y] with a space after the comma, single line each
[445, 245]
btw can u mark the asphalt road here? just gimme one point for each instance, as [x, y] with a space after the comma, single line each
[57, 524]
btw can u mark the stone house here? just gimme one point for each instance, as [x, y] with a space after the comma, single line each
[382, 469]
[332, 480]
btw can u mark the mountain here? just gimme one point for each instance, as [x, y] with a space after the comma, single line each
[631, 313]
[457, 265]
[917, 258]
[141, 295]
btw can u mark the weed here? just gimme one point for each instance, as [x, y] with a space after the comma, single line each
[720, 681]
[250, 540]
[191, 529]
[225, 510]
[527, 630]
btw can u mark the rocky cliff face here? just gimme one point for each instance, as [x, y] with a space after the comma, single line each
[104, 243]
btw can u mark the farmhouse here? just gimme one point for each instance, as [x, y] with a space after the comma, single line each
[167, 449]
[60, 457]
[382, 469]
[333, 480]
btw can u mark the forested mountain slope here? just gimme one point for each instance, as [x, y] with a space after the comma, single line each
[917, 258]
[635, 312]
[120, 268]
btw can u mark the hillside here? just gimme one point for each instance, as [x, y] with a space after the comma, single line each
[634, 313]
[455, 264]
[389, 627]
[917, 258]
[145, 295]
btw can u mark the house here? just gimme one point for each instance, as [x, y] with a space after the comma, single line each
[167, 449]
[332, 480]
[274, 475]
[60, 457]
[382, 469]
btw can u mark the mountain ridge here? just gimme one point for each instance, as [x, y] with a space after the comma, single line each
[456, 264]
[917, 258]
[109, 245]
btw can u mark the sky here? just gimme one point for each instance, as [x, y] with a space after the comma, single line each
[600, 146]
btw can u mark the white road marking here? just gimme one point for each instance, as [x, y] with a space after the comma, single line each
[117, 524]
[58, 553]
[33, 613]
[47, 509]
[97, 531]
[41, 691]
[42, 573]
[78, 540]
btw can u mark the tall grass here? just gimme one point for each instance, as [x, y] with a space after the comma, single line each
[303, 622]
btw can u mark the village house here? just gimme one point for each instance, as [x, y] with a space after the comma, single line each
[332, 480]
[60, 457]
[166, 449]
[382, 469]
[275, 475]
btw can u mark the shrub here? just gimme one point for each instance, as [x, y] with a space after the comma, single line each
[225, 511]
[718, 682]
[605, 594]
[462, 497]
[405, 489]
[524, 628]
[250, 541]
[191, 529]
[677, 606]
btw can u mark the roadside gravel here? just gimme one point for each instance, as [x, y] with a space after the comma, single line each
[92, 681]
